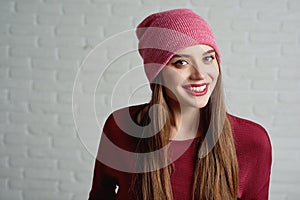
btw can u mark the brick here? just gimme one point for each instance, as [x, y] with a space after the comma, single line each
[231, 13]
[53, 153]
[282, 130]
[83, 177]
[291, 26]
[4, 51]
[95, 9]
[7, 6]
[286, 120]
[46, 195]
[74, 187]
[66, 142]
[31, 184]
[46, 174]
[14, 106]
[22, 139]
[75, 166]
[293, 5]
[62, 20]
[281, 85]
[275, 15]
[3, 117]
[252, 97]
[30, 74]
[3, 72]
[66, 75]
[80, 196]
[7, 172]
[216, 4]
[291, 50]
[55, 129]
[15, 62]
[4, 29]
[263, 38]
[52, 108]
[61, 41]
[64, 98]
[33, 52]
[264, 5]
[12, 18]
[19, 40]
[17, 95]
[290, 97]
[255, 26]
[22, 7]
[4, 162]
[3, 184]
[53, 86]
[3, 95]
[85, 31]
[54, 64]
[40, 163]
[285, 188]
[253, 73]
[287, 155]
[264, 110]
[30, 30]
[10, 194]
[32, 118]
[256, 49]
[286, 177]
[66, 120]
[72, 53]
[13, 151]
[121, 9]
[289, 74]
[37, 7]
[116, 25]
[273, 61]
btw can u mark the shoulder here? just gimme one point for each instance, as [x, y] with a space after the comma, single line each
[121, 127]
[124, 115]
[249, 134]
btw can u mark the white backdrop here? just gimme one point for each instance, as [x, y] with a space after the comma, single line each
[43, 43]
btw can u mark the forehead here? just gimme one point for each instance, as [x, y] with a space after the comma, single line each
[200, 48]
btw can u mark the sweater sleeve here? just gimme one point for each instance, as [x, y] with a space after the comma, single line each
[104, 183]
[254, 154]
[103, 186]
[264, 168]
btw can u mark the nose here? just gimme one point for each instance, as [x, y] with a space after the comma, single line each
[196, 73]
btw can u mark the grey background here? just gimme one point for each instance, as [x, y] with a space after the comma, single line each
[43, 43]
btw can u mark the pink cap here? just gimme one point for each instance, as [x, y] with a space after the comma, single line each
[163, 34]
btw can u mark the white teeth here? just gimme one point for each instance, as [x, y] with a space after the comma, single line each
[197, 89]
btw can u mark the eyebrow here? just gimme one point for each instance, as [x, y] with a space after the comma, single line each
[188, 56]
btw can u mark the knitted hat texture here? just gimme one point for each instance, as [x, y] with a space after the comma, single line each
[163, 34]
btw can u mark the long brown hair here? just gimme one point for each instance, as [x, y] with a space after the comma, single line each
[216, 171]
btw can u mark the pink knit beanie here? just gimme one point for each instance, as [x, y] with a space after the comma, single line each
[163, 34]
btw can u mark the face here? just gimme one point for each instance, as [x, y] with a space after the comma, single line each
[191, 75]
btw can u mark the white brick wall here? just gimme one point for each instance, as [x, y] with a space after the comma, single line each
[43, 43]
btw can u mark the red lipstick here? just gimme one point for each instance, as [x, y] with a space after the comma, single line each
[196, 89]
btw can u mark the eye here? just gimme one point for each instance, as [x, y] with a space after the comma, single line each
[180, 62]
[208, 59]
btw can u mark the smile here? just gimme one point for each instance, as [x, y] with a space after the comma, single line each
[196, 90]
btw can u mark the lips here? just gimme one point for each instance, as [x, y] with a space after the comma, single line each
[196, 89]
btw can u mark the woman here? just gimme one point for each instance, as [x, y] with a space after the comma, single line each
[182, 144]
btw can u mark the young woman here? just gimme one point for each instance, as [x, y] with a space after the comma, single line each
[183, 144]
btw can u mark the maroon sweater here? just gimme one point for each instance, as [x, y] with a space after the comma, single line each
[253, 148]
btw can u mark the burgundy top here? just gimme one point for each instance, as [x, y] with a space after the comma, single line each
[253, 148]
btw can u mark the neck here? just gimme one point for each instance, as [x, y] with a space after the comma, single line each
[187, 121]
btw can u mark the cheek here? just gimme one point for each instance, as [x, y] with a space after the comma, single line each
[171, 78]
[214, 71]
